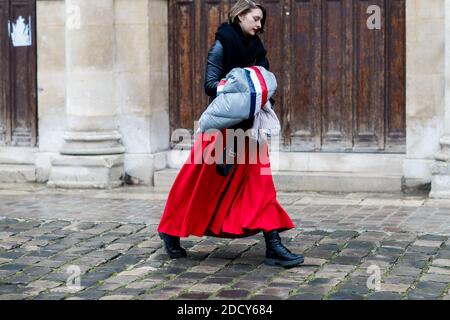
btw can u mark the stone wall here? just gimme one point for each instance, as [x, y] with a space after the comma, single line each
[425, 40]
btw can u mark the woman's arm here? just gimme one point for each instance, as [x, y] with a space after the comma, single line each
[214, 69]
[262, 62]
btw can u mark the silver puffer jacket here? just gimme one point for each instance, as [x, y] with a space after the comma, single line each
[241, 95]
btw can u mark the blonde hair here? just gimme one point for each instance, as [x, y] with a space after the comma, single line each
[244, 7]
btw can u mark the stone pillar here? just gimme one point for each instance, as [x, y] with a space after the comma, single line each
[440, 181]
[92, 154]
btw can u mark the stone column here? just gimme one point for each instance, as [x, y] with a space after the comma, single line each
[92, 154]
[440, 181]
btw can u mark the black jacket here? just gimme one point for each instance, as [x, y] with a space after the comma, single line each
[215, 71]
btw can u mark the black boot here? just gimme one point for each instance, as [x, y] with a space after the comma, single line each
[277, 253]
[172, 246]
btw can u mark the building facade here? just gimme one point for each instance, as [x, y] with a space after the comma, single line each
[97, 93]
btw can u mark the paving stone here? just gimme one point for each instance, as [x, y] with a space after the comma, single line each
[140, 271]
[323, 281]
[360, 288]
[51, 263]
[122, 279]
[13, 296]
[416, 295]
[44, 284]
[423, 249]
[443, 254]
[395, 287]
[146, 284]
[13, 267]
[203, 287]
[314, 290]
[65, 289]
[193, 296]
[164, 293]
[431, 288]
[428, 243]
[276, 292]
[432, 237]
[50, 296]
[400, 270]
[233, 294]
[441, 263]
[134, 292]
[91, 279]
[117, 297]
[347, 260]
[335, 267]
[11, 288]
[283, 282]
[345, 296]
[264, 297]
[32, 292]
[343, 234]
[309, 261]
[206, 269]
[385, 296]
[90, 294]
[218, 280]
[37, 271]
[436, 277]
[110, 286]
[317, 253]
[361, 245]
[305, 296]
[57, 275]
[12, 254]
[437, 270]
[395, 244]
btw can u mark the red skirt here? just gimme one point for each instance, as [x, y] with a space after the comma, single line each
[243, 203]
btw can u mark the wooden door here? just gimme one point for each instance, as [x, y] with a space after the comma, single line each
[18, 120]
[341, 84]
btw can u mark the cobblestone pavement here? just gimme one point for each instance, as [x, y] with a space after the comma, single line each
[106, 239]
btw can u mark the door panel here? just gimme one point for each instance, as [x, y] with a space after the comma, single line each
[303, 125]
[395, 76]
[18, 117]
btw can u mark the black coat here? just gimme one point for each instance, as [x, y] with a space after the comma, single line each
[232, 49]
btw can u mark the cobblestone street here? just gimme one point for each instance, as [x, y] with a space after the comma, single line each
[108, 237]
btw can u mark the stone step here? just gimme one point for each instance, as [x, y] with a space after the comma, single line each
[389, 164]
[291, 181]
[17, 173]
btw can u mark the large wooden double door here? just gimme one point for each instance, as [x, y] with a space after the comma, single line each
[18, 119]
[341, 81]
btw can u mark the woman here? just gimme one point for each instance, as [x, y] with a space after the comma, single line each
[202, 202]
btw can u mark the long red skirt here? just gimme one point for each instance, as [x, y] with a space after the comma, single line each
[243, 203]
